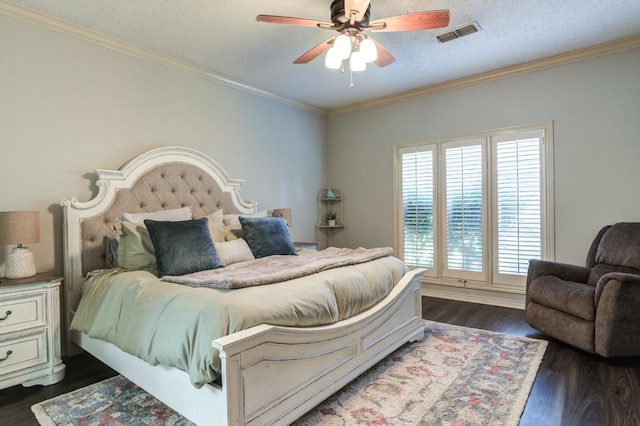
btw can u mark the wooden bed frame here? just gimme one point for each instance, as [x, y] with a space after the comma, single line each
[271, 375]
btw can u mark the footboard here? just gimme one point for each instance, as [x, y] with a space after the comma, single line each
[273, 375]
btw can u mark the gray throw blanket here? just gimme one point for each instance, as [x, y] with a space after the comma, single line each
[273, 269]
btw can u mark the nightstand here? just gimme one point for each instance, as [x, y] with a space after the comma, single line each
[30, 352]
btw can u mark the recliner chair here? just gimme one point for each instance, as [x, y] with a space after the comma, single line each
[597, 307]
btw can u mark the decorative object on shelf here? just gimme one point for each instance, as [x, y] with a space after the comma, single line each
[331, 194]
[285, 214]
[20, 227]
[331, 218]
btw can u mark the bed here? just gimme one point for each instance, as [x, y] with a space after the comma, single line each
[268, 374]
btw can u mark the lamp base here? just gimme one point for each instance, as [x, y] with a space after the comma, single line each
[20, 264]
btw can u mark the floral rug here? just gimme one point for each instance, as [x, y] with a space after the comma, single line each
[455, 376]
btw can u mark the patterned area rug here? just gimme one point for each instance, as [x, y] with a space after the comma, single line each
[455, 376]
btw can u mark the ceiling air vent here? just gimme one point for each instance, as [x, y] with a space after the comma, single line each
[459, 32]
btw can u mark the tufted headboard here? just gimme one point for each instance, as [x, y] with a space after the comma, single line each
[163, 178]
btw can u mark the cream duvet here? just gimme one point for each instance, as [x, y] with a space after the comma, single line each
[174, 325]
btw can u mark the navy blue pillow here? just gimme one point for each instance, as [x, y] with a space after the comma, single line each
[182, 247]
[267, 236]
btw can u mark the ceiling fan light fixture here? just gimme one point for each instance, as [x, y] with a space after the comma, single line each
[368, 50]
[342, 44]
[357, 62]
[332, 59]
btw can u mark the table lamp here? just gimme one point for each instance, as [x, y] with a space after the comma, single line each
[283, 213]
[20, 227]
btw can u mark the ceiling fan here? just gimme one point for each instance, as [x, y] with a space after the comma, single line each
[350, 18]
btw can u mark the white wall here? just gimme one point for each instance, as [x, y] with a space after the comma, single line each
[68, 107]
[595, 107]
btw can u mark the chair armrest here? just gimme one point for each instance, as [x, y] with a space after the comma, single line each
[619, 287]
[564, 271]
[617, 322]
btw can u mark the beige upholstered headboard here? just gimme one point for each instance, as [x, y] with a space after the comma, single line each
[163, 178]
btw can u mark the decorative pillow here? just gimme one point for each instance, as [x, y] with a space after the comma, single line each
[267, 236]
[112, 241]
[182, 247]
[233, 251]
[216, 226]
[232, 226]
[135, 249]
[183, 213]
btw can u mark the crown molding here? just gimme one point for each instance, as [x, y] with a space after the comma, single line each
[511, 71]
[86, 34]
[109, 42]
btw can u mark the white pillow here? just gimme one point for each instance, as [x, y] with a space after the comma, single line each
[216, 226]
[232, 226]
[233, 251]
[173, 215]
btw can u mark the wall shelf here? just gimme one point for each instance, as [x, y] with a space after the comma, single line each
[329, 235]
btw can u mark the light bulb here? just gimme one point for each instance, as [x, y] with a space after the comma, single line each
[368, 50]
[342, 44]
[357, 62]
[332, 59]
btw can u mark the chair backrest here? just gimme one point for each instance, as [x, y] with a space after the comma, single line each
[616, 248]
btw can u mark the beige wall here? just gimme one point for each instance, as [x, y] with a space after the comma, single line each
[595, 107]
[68, 107]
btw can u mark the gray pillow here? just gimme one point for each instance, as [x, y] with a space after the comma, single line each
[267, 236]
[182, 247]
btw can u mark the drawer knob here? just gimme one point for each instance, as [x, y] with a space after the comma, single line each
[4, 358]
[6, 315]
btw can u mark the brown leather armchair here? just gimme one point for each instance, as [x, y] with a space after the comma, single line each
[597, 307]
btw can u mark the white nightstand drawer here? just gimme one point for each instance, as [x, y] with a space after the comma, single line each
[23, 352]
[22, 311]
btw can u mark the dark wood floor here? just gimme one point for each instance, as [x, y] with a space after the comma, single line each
[572, 387]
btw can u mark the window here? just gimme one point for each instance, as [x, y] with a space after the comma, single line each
[474, 210]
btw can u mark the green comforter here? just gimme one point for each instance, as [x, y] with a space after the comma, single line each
[174, 325]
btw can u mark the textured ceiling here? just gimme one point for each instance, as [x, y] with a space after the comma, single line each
[222, 36]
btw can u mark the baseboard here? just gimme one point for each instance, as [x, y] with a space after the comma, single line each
[484, 297]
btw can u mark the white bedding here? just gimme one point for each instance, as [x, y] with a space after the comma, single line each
[172, 324]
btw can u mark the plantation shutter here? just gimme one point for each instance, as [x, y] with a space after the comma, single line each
[417, 190]
[518, 204]
[464, 203]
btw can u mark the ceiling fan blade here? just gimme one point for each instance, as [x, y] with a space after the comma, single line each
[413, 21]
[288, 20]
[360, 6]
[384, 56]
[315, 51]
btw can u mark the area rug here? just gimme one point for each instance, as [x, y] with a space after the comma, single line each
[454, 376]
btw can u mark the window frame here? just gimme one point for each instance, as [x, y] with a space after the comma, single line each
[491, 278]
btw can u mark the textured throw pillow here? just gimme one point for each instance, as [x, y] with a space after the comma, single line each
[182, 247]
[135, 249]
[183, 213]
[267, 236]
[233, 251]
[232, 227]
[216, 226]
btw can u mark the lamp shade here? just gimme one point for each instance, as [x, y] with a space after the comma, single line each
[342, 44]
[368, 49]
[357, 62]
[283, 213]
[332, 59]
[19, 227]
